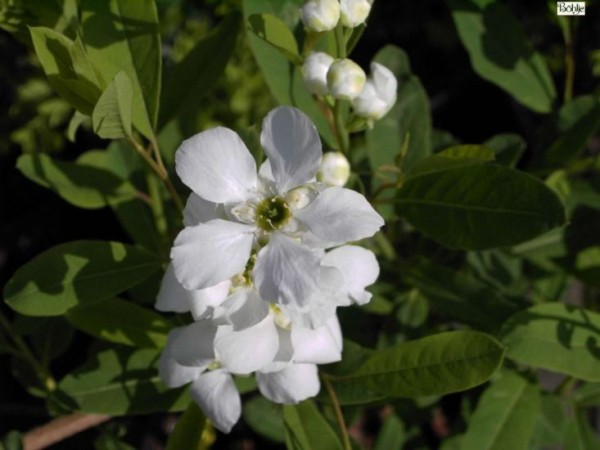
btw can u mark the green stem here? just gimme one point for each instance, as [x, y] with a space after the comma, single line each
[338, 412]
[565, 386]
[158, 168]
[340, 127]
[22, 351]
[569, 61]
[340, 40]
[156, 204]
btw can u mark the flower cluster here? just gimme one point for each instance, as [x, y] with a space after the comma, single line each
[262, 264]
[371, 97]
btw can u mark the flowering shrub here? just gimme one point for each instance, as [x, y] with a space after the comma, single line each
[294, 254]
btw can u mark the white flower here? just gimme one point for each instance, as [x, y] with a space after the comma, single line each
[354, 12]
[334, 170]
[261, 225]
[206, 355]
[314, 72]
[378, 95]
[345, 79]
[320, 15]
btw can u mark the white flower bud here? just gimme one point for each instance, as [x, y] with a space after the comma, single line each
[334, 170]
[379, 94]
[314, 72]
[354, 12]
[345, 79]
[320, 15]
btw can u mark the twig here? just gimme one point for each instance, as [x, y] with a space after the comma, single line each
[60, 429]
[338, 412]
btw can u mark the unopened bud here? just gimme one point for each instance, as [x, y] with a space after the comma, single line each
[354, 12]
[314, 72]
[334, 170]
[320, 15]
[345, 79]
[378, 95]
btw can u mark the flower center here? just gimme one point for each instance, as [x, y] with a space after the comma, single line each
[272, 213]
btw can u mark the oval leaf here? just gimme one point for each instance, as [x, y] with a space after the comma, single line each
[472, 205]
[504, 417]
[435, 365]
[501, 53]
[111, 117]
[77, 272]
[121, 322]
[119, 383]
[556, 337]
[307, 429]
[79, 184]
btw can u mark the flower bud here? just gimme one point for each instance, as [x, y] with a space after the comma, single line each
[314, 72]
[345, 79]
[320, 15]
[378, 95]
[354, 12]
[334, 170]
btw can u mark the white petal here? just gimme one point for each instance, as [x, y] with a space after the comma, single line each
[193, 344]
[359, 268]
[172, 373]
[286, 272]
[313, 317]
[197, 210]
[285, 352]
[385, 82]
[340, 215]
[320, 346]
[246, 351]
[293, 384]
[244, 309]
[217, 166]
[293, 147]
[217, 396]
[172, 296]
[203, 302]
[211, 252]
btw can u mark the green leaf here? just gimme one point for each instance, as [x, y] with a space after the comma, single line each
[122, 35]
[13, 440]
[51, 337]
[111, 117]
[80, 185]
[574, 140]
[434, 365]
[67, 67]
[479, 152]
[408, 121]
[284, 79]
[473, 205]
[550, 423]
[187, 82]
[508, 148]
[77, 272]
[588, 395]
[120, 382]
[392, 435]
[500, 52]
[187, 434]
[580, 435]
[265, 418]
[504, 417]
[121, 322]
[556, 337]
[413, 310]
[134, 213]
[306, 429]
[276, 33]
[461, 296]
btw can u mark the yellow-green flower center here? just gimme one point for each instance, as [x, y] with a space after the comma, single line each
[272, 213]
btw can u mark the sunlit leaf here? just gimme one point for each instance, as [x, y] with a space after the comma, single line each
[556, 337]
[504, 417]
[307, 429]
[111, 117]
[77, 272]
[501, 53]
